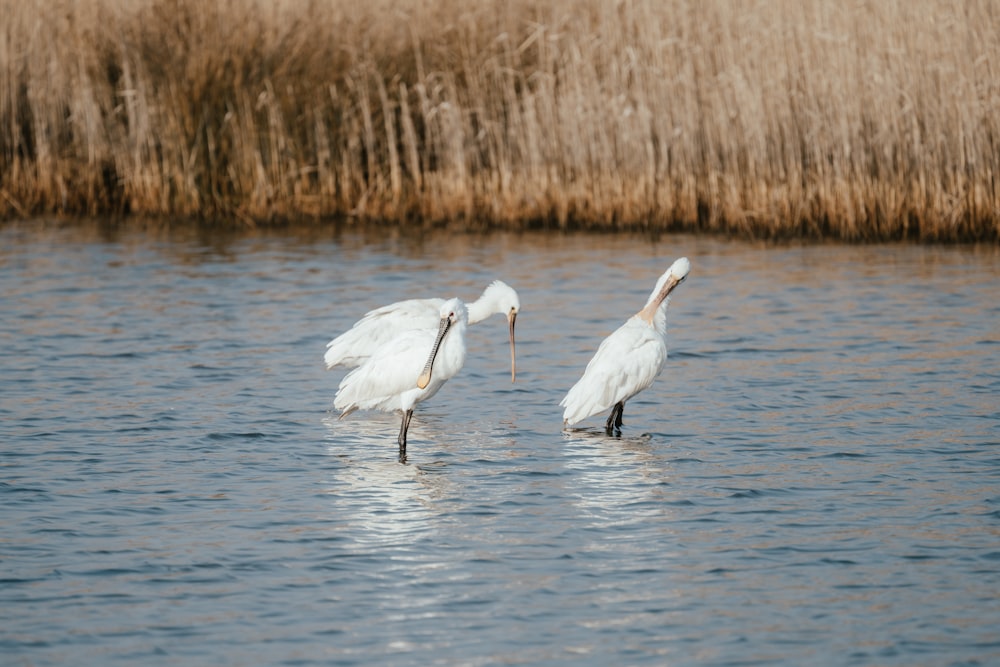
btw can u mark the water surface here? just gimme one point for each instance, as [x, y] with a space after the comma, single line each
[814, 479]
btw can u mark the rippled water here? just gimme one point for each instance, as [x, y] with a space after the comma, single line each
[815, 478]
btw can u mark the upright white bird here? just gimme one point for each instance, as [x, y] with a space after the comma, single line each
[408, 369]
[378, 326]
[628, 360]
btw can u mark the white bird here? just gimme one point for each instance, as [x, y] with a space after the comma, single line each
[378, 326]
[408, 369]
[628, 360]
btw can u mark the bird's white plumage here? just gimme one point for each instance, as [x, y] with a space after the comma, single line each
[381, 325]
[387, 380]
[629, 359]
[626, 362]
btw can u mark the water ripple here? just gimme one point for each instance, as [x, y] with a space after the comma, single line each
[813, 480]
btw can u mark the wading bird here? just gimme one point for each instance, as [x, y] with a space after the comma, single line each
[378, 326]
[408, 369]
[628, 360]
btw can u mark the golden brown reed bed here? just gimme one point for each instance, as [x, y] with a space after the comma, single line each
[773, 118]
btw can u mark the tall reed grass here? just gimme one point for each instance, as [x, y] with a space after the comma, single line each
[858, 120]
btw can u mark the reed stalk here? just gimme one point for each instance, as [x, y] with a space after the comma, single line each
[782, 118]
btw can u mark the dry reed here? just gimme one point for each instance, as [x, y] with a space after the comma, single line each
[781, 118]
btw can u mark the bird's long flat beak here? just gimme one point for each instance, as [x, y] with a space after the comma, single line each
[649, 311]
[672, 282]
[425, 375]
[511, 318]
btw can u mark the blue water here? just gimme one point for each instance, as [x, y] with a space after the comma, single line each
[814, 479]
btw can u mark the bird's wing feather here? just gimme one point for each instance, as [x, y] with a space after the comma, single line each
[625, 363]
[378, 327]
[391, 370]
[403, 310]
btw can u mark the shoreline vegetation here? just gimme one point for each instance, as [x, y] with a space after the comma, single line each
[856, 121]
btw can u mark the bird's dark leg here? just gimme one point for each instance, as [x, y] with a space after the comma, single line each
[403, 428]
[614, 424]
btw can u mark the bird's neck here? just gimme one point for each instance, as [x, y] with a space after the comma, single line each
[480, 309]
[655, 313]
[648, 314]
